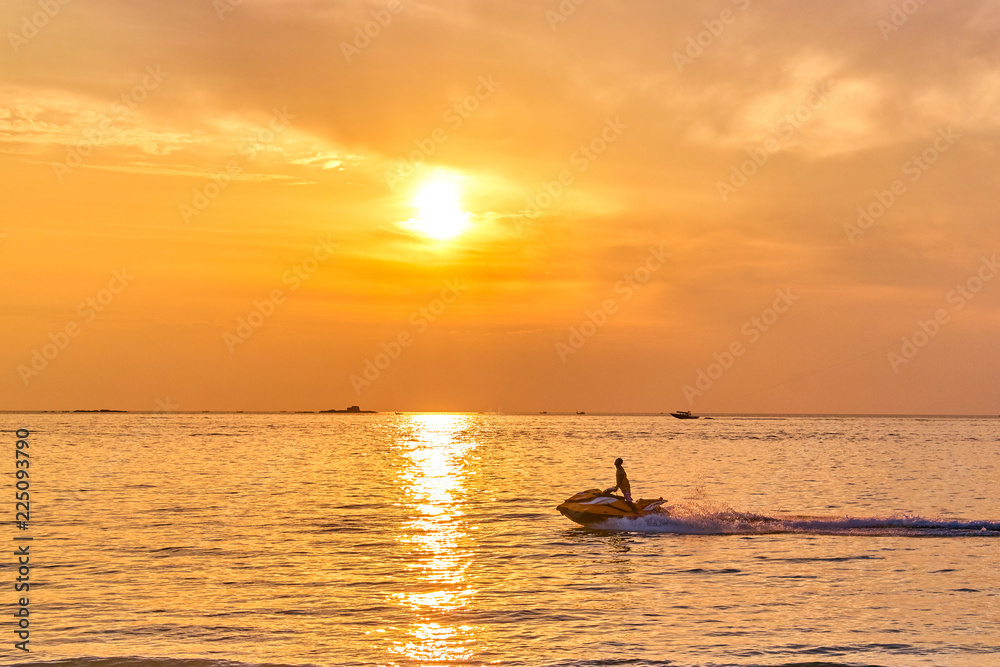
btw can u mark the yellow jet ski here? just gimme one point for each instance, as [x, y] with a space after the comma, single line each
[594, 506]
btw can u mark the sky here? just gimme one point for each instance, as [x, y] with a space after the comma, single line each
[725, 206]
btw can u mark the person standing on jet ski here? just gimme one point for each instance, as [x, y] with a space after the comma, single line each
[621, 483]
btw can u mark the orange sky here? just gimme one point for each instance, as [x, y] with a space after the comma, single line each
[217, 205]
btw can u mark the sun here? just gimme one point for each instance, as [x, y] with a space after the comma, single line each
[440, 215]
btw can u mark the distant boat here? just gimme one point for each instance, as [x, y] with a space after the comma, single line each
[581, 413]
[683, 414]
[355, 410]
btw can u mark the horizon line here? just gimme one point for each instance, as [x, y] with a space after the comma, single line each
[500, 413]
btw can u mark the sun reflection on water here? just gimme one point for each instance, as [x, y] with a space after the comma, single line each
[436, 642]
[436, 539]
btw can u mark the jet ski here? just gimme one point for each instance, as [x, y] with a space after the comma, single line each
[594, 506]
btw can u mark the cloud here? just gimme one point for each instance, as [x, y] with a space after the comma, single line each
[863, 104]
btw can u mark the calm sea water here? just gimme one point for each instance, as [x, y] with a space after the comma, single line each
[194, 540]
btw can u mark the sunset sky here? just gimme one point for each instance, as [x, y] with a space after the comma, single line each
[508, 206]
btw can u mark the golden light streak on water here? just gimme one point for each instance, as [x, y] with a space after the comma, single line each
[438, 536]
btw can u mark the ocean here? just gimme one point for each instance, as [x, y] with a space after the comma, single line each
[211, 540]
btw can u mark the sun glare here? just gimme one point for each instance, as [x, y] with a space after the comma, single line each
[440, 215]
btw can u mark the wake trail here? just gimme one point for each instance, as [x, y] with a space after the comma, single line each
[701, 520]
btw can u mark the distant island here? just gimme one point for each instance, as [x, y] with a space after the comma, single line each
[351, 410]
[103, 410]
